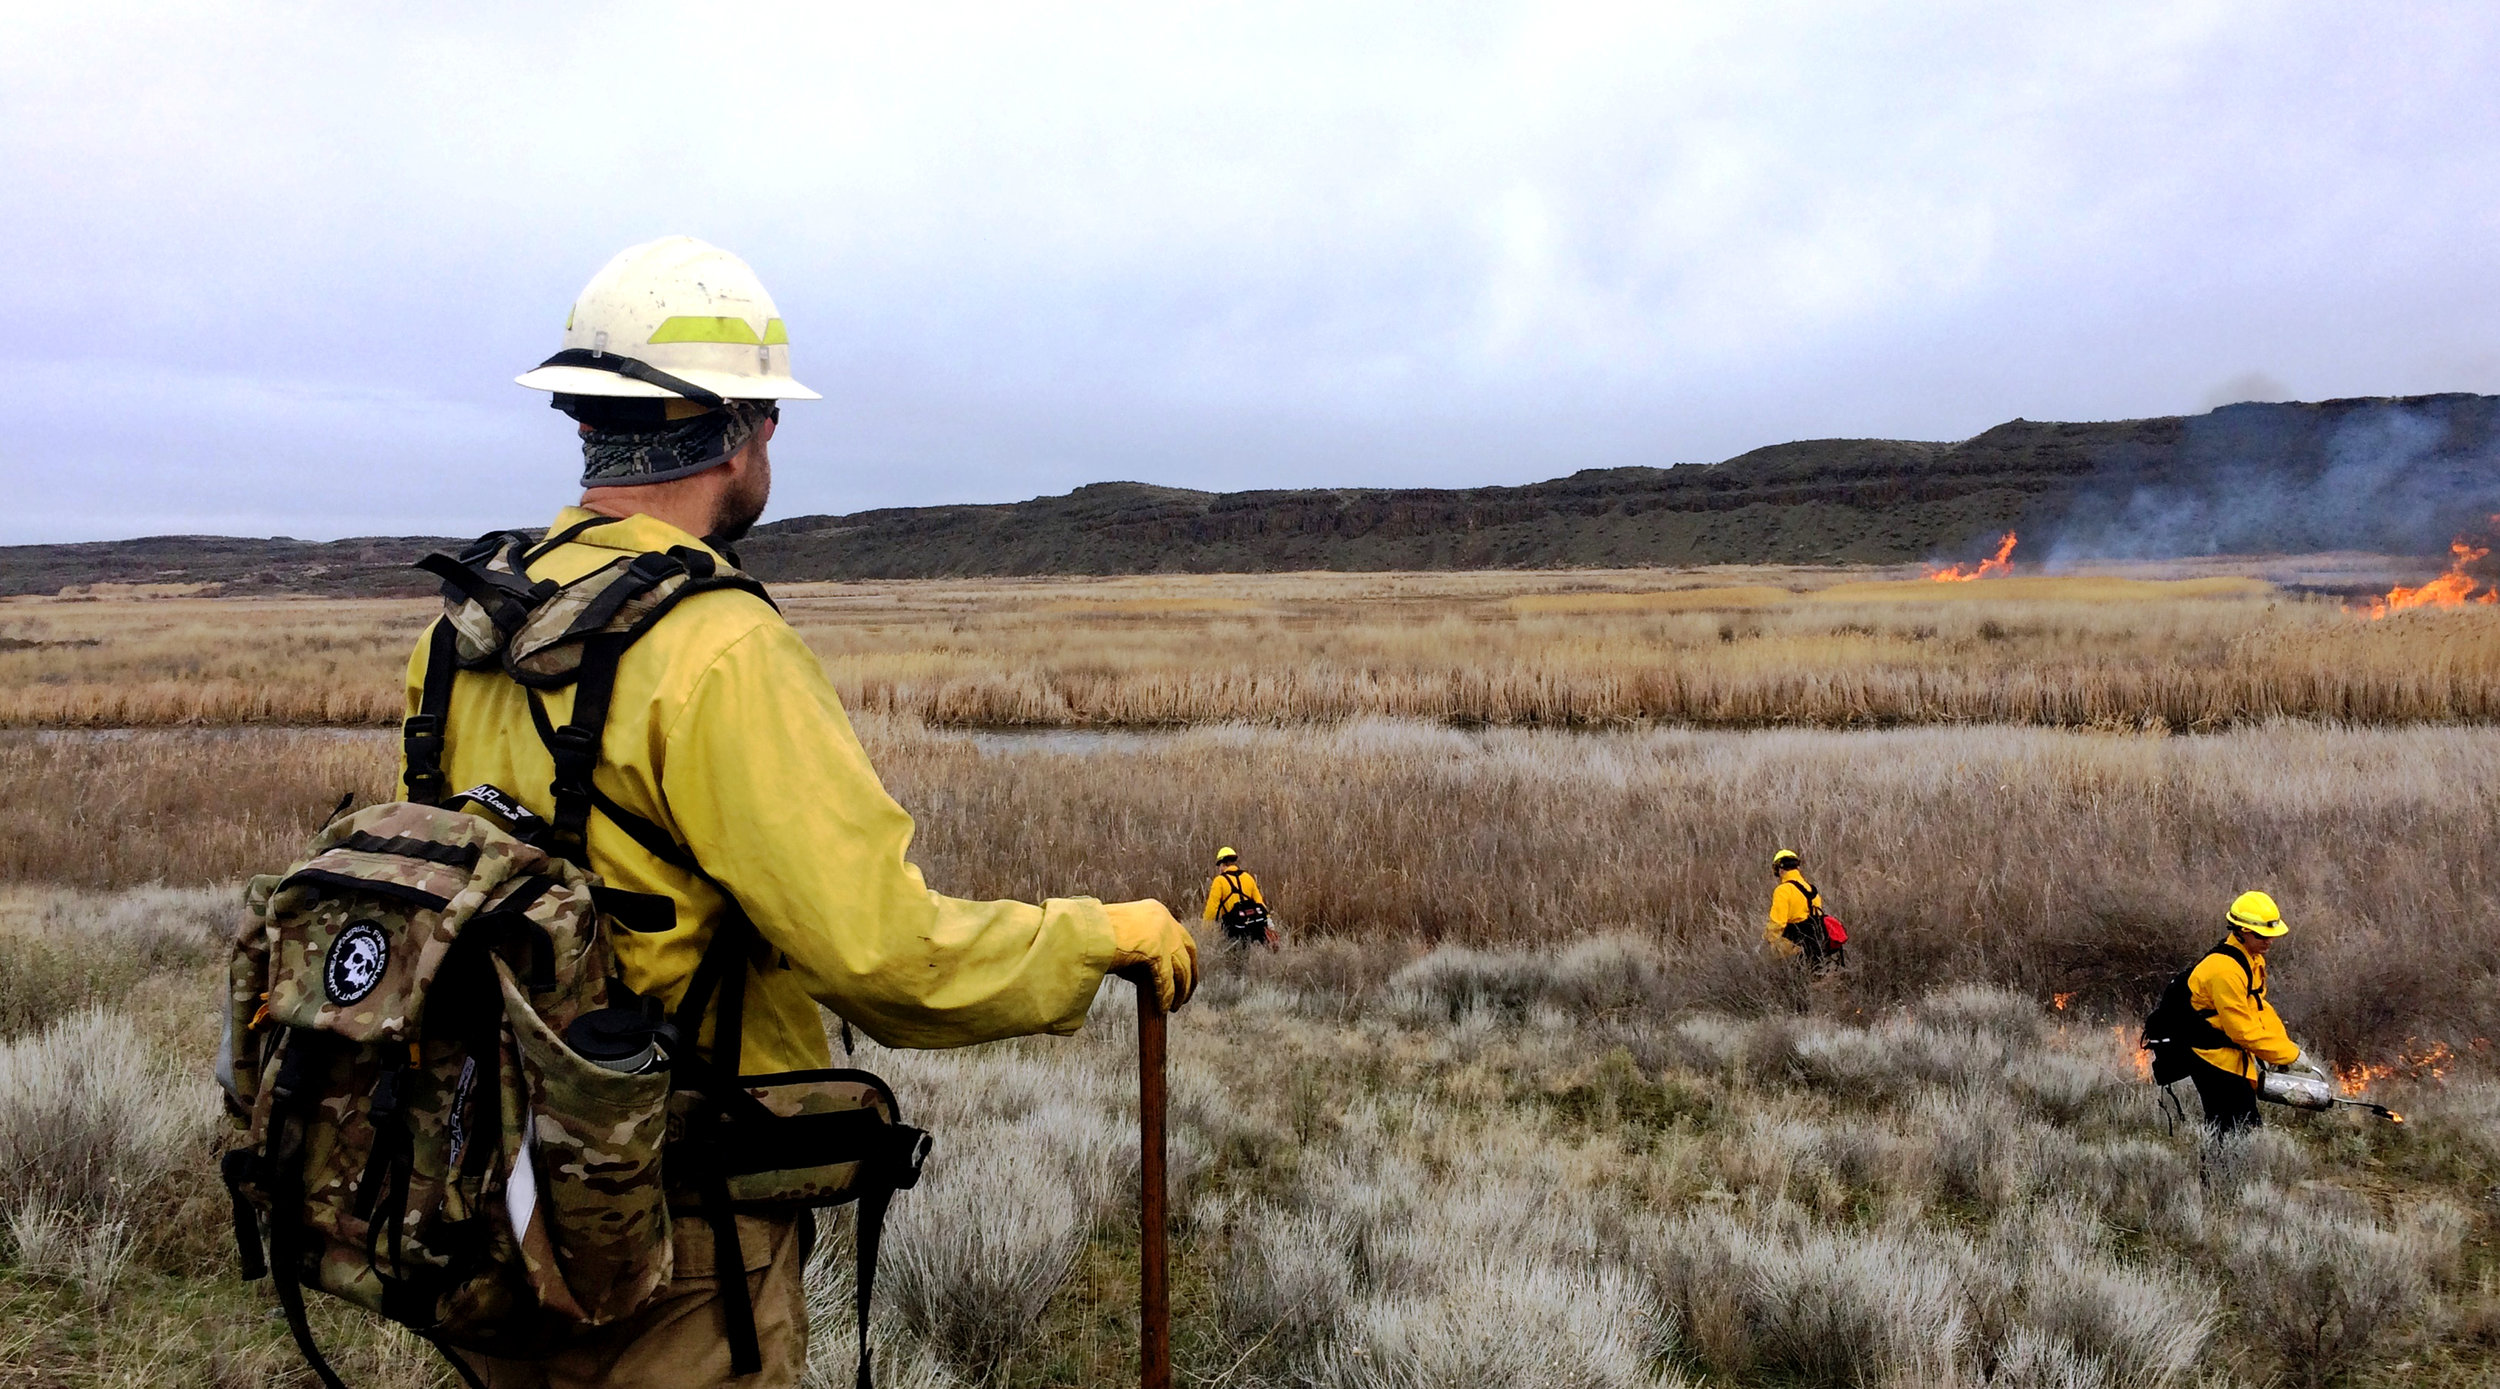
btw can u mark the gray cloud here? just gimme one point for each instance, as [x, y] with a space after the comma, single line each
[274, 268]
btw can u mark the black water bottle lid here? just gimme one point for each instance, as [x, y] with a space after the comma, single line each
[620, 1039]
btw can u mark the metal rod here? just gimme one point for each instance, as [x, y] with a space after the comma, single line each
[1154, 1289]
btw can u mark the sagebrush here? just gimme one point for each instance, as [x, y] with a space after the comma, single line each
[1404, 1167]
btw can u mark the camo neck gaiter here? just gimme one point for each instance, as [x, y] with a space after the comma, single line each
[628, 442]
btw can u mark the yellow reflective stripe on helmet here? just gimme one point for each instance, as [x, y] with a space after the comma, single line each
[705, 328]
[776, 333]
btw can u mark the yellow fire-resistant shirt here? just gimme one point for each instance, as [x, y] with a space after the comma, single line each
[2243, 1014]
[725, 732]
[1220, 892]
[1788, 907]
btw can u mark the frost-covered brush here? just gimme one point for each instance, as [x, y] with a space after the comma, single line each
[2299, 1091]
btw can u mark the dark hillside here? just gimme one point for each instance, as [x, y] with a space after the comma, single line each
[2394, 475]
[2400, 475]
[366, 567]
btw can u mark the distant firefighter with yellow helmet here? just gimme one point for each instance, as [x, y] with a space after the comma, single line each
[2214, 1025]
[1234, 899]
[1797, 924]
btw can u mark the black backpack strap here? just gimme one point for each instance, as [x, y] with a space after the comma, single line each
[283, 1166]
[285, 1274]
[726, 962]
[723, 972]
[575, 747]
[643, 573]
[658, 842]
[2213, 1037]
[237, 1167]
[1806, 893]
[866, 1236]
[1808, 932]
[421, 735]
[507, 599]
[555, 539]
[2247, 970]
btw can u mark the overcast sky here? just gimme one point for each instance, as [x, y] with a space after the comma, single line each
[270, 268]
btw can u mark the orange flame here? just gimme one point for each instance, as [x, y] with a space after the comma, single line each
[2059, 1001]
[2414, 1061]
[2453, 589]
[2143, 1059]
[2001, 562]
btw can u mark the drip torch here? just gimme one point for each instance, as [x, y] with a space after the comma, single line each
[2299, 1091]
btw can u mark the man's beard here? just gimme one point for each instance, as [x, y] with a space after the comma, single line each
[741, 507]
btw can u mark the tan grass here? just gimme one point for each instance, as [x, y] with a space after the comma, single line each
[1738, 648]
[2055, 862]
[187, 808]
[160, 661]
[1739, 598]
[2045, 588]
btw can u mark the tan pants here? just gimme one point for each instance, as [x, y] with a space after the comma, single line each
[679, 1342]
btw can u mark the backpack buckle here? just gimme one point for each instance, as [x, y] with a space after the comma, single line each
[911, 1149]
[421, 741]
[576, 755]
[651, 567]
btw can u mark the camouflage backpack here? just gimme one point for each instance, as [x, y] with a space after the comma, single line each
[455, 1114]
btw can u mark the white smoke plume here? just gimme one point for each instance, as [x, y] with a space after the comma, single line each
[2390, 476]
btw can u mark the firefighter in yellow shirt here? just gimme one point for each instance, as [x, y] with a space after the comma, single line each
[2227, 990]
[1234, 899]
[728, 782]
[1796, 924]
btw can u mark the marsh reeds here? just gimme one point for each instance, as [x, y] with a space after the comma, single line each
[182, 807]
[1744, 650]
[2053, 862]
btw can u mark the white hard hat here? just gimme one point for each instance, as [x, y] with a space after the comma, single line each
[674, 317]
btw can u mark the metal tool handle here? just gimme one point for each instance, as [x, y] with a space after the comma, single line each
[1154, 1289]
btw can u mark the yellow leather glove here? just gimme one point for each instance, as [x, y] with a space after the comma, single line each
[1145, 934]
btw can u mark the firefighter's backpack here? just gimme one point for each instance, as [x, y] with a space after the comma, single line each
[453, 1113]
[2177, 1029]
[1820, 933]
[1242, 914]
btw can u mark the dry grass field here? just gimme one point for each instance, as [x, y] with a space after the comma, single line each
[1521, 1104]
[1730, 648]
[2050, 861]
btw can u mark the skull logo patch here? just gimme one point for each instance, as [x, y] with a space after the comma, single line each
[357, 959]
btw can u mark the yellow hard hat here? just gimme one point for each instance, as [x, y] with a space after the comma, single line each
[2256, 913]
[1784, 858]
[1225, 853]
